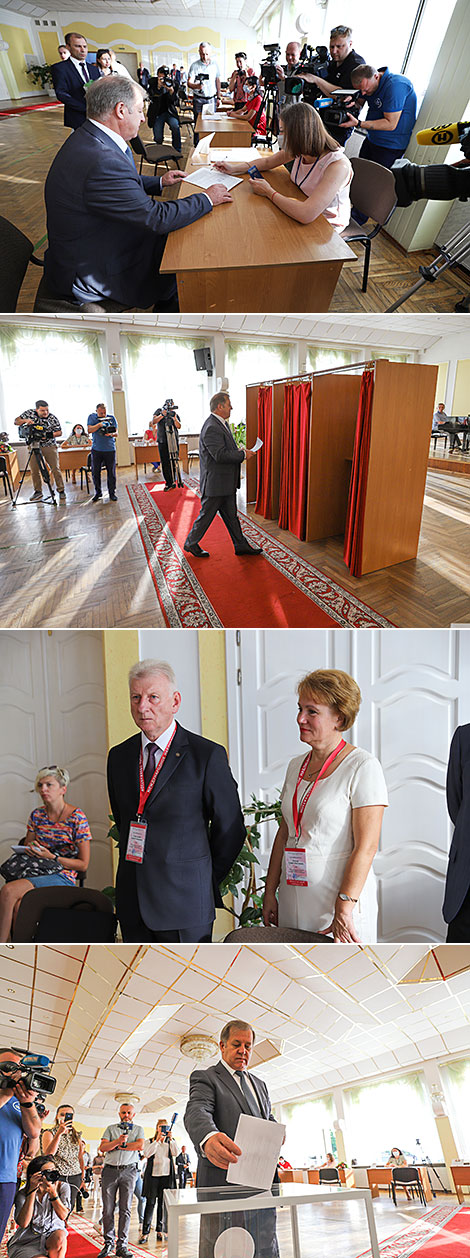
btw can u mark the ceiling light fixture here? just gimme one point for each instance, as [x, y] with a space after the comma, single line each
[199, 1047]
[148, 1027]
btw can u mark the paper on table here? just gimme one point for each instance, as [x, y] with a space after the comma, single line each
[261, 1143]
[257, 445]
[207, 176]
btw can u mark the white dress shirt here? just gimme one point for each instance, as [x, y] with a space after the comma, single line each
[122, 144]
[161, 742]
[159, 1151]
[79, 66]
[238, 1083]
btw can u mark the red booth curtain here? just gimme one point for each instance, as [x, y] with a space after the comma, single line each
[359, 474]
[265, 428]
[294, 457]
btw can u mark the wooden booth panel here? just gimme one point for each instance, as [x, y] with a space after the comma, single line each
[333, 425]
[401, 424]
[251, 435]
[276, 445]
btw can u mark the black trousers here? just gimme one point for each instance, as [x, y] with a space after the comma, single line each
[226, 506]
[108, 459]
[459, 928]
[165, 462]
[155, 1187]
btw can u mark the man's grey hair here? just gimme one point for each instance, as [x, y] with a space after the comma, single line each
[148, 668]
[103, 95]
[218, 400]
[204, 44]
[235, 1025]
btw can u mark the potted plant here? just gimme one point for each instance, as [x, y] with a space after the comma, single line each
[41, 76]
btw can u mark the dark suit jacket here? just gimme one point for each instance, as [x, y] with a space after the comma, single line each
[70, 89]
[106, 236]
[215, 1104]
[219, 459]
[458, 803]
[195, 831]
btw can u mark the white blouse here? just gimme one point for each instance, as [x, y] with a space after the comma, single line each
[327, 836]
[307, 176]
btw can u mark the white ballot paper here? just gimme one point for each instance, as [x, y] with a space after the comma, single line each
[201, 151]
[207, 176]
[261, 1143]
[257, 445]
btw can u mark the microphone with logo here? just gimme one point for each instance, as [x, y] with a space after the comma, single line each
[435, 183]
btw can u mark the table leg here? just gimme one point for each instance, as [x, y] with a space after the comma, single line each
[374, 1244]
[136, 468]
[172, 1234]
[295, 1233]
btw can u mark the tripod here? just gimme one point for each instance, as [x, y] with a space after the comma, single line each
[269, 105]
[44, 472]
[428, 1164]
[450, 255]
[173, 453]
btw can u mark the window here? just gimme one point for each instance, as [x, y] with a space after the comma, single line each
[157, 368]
[248, 362]
[309, 1131]
[65, 368]
[394, 1113]
[456, 1075]
[320, 358]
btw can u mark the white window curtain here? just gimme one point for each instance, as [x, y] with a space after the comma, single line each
[309, 1130]
[389, 1114]
[321, 358]
[156, 368]
[248, 362]
[456, 1076]
[66, 368]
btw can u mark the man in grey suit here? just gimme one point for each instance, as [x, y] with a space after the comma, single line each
[220, 460]
[217, 1097]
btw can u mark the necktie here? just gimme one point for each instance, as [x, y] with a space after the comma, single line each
[150, 766]
[129, 154]
[249, 1097]
[85, 73]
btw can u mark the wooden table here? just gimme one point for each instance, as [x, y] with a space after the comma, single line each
[248, 256]
[13, 470]
[145, 452]
[381, 1176]
[72, 458]
[461, 1178]
[228, 132]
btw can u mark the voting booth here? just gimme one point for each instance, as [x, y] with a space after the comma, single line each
[345, 452]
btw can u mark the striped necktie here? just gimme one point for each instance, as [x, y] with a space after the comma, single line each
[248, 1094]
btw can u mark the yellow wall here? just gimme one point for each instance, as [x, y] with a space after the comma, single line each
[12, 63]
[214, 723]
[461, 399]
[441, 383]
[161, 36]
[49, 44]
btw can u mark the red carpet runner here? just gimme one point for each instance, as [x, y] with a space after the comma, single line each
[277, 589]
[442, 1232]
[26, 109]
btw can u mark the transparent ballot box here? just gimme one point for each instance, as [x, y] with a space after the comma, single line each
[232, 1222]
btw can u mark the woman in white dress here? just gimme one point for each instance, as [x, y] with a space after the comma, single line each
[333, 801]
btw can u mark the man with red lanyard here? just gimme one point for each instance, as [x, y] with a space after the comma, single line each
[176, 807]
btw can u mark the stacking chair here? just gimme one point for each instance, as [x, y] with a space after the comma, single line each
[17, 252]
[329, 1175]
[407, 1177]
[373, 193]
[5, 477]
[437, 436]
[154, 154]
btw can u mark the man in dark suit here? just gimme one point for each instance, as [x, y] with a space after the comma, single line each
[106, 235]
[220, 460]
[217, 1097]
[456, 907]
[176, 807]
[70, 78]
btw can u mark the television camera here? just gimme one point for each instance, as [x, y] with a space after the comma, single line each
[34, 1071]
[108, 427]
[169, 414]
[268, 70]
[311, 61]
[39, 433]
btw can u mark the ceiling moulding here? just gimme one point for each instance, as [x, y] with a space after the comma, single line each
[441, 963]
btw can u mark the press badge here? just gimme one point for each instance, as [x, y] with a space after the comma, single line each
[296, 866]
[136, 842]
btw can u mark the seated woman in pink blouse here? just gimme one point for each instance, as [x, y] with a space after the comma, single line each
[57, 832]
[319, 167]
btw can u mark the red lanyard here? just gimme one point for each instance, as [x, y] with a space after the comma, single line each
[145, 791]
[299, 809]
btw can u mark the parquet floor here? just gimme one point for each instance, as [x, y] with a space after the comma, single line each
[83, 565]
[28, 143]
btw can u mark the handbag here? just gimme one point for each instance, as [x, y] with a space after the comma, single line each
[27, 865]
[80, 922]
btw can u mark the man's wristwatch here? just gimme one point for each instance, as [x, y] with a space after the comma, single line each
[342, 896]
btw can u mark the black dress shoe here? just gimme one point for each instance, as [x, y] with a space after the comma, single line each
[123, 1252]
[97, 499]
[107, 1249]
[113, 498]
[249, 550]
[197, 551]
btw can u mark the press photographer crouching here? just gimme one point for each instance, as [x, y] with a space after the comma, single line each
[162, 108]
[39, 428]
[319, 167]
[41, 1211]
[18, 1118]
[103, 450]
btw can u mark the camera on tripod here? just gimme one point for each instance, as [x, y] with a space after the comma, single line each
[268, 70]
[170, 410]
[33, 1070]
[39, 433]
[311, 61]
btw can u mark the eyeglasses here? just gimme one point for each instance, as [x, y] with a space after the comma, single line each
[340, 30]
[48, 768]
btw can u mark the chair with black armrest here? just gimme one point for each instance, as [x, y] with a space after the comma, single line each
[85, 471]
[328, 1175]
[372, 192]
[5, 476]
[17, 252]
[77, 914]
[408, 1178]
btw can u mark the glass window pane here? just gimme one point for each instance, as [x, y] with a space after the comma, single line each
[157, 368]
[394, 1113]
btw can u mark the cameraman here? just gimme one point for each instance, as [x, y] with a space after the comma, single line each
[293, 50]
[38, 415]
[41, 1211]
[120, 1144]
[103, 450]
[343, 60]
[391, 113]
[18, 1118]
[162, 108]
[167, 425]
[205, 89]
[238, 79]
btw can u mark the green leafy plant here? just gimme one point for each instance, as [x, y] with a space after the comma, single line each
[241, 879]
[239, 432]
[40, 75]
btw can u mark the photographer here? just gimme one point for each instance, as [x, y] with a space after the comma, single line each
[292, 56]
[41, 1212]
[162, 108]
[18, 1118]
[64, 1143]
[160, 1173]
[103, 450]
[120, 1144]
[343, 60]
[391, 113]
[204, 81]
[41, 415]
[238, 79]
[167, 440]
